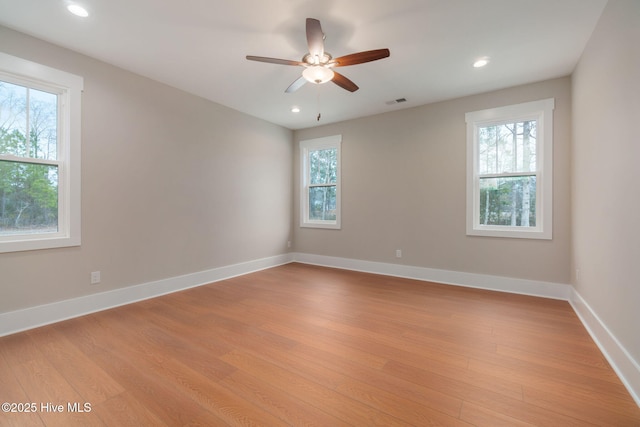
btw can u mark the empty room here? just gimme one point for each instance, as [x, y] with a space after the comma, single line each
[294, 213]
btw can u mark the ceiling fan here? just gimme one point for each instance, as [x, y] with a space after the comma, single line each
[318, 64]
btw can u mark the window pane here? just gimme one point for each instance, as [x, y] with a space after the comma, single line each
[508, 201]
[322, 203]
[509, 147]
[43, 119]
[28, 198]
[323, 165]
[21, 109]
[13, 119]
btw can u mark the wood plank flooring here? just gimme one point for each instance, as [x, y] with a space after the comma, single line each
[299, 345]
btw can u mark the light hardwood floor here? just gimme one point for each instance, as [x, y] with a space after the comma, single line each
[300, 345]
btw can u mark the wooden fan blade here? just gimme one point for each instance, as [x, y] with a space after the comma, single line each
[296, 85]
[344, 82]
[361, 57]
[315, 38]
[274, 60]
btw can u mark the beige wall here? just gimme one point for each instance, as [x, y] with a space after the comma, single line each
[606, 172]
[171, 184]
[404, 188]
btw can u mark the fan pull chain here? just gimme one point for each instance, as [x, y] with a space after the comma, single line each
[318, 101]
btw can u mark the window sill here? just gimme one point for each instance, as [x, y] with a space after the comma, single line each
[509, 232]
[332, 225]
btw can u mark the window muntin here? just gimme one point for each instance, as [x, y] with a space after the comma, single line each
[39, 156]
[509, 177]
[320, 186]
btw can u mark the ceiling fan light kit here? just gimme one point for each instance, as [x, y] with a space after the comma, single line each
[318, 74]
[318, 64]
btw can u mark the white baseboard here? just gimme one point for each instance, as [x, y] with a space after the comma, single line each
[470, 280]
[623, 364]
[33, 317]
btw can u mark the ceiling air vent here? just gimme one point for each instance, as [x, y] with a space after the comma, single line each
[396, 101]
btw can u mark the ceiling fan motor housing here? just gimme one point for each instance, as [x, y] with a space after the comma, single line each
[315, 60]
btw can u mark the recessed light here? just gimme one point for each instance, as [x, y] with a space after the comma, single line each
[78, 10]
[481, 62]
[295, 109]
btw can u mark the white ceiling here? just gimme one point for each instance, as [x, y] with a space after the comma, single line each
[200, 46]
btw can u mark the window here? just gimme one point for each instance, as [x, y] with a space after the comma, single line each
[39, 156]
[320, 187]
[509, 171]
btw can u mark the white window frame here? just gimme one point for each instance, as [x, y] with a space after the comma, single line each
[542, 112]
[329, 142]
[69, 88]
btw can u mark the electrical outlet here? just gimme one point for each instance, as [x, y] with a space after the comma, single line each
[289, 243]
[398, 253]
[95, 277]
